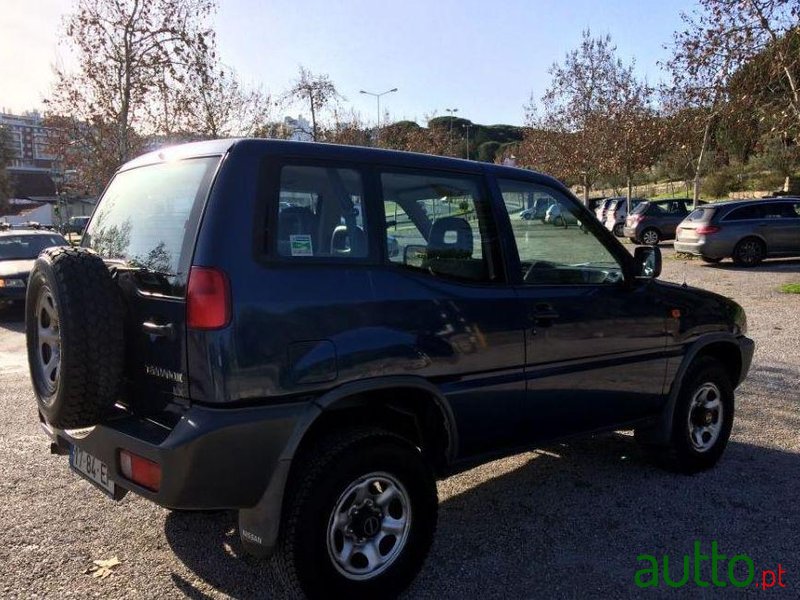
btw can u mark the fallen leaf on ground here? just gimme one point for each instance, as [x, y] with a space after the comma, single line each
[102, 568]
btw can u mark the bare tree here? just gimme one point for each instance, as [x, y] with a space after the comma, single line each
[217, 104]
[317, 91]
[125, 51]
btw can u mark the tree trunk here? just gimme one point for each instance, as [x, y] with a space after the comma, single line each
[630, 192]
[313, 117]
[706, 132]
[586, 189]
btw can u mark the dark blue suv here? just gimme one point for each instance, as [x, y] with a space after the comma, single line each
[312, 334]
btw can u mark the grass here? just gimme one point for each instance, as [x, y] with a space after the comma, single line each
[790, 288]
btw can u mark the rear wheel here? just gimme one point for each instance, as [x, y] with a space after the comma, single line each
[360, 517]
[618, 230]
[650, 237]
[749, 252]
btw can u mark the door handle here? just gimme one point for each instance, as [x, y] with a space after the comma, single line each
[544, 312]
[158, 330]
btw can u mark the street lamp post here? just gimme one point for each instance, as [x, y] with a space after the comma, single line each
[466, 127]
[378, 100]
[452, 112]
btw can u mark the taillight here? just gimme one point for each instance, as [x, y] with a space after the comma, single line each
[208, 299]
[706, 229]
[139, 470]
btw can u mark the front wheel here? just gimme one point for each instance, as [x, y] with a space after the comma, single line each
[360, 517]
[702, 419]
[618, 230]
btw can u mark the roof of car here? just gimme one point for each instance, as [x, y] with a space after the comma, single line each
[335, 151]
[32, 232]
[726, 203]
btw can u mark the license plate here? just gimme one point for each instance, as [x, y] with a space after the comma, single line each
[91, 468]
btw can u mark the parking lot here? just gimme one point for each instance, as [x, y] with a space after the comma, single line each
[566, 521]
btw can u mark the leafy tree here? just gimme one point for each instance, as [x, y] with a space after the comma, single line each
[571, 137]
[316, 90]
[635, 140]
[127, 52]
[732, 55]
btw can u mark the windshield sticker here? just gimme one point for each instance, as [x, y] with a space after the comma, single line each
[301, 245]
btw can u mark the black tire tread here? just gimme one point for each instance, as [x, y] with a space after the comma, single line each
[311, 465]
[671, 457]
[91, 326]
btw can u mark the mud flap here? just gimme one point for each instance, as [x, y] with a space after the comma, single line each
[259, 525]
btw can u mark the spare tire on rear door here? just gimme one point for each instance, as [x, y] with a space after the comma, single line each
[74, 326]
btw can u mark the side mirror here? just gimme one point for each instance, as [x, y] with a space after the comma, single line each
[648, 261]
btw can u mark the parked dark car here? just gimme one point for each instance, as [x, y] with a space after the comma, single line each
[76, 225]
[18, 249]
[748, 231]
[229, 343]
[656, 220]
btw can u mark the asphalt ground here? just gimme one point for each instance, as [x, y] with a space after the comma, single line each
[567, 521]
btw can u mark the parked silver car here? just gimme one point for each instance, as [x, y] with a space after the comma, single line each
[748, 231]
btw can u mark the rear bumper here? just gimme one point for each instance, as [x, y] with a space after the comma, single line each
[210, 458]
[703, 247]
[630, 232]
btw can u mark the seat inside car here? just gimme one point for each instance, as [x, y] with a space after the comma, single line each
[450, 248]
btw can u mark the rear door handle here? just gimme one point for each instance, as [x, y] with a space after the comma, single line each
[156, 329]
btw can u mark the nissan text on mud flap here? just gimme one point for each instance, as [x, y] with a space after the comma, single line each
[313, 334]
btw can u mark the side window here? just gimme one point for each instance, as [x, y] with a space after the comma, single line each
[321, 213]
[780, 210]
[796, 209]
[557, 250]
[753, 211]
[438, 223]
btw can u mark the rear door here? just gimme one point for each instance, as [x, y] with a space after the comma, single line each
[145, 225]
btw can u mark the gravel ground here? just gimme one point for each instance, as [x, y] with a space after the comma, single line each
[567, 521]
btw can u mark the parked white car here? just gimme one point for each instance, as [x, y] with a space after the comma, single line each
[617, 212]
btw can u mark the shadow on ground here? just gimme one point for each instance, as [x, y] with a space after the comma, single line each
[12, 318]
[768, 266]
[566, 522]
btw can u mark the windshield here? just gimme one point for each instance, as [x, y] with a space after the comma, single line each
[148, 216]
[20, 247]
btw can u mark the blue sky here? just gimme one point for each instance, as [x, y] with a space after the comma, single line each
[483, 58]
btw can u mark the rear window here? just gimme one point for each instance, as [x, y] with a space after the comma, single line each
[148, 216]
[700, 214]
[641, 208]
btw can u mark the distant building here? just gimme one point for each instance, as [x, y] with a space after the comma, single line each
[32, 167]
